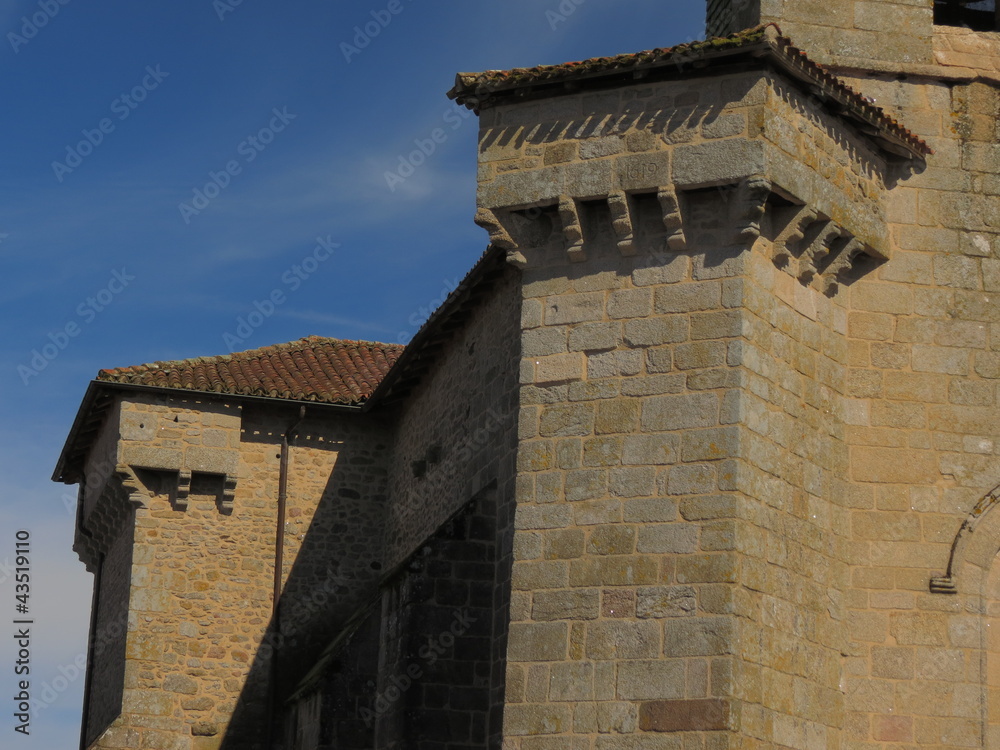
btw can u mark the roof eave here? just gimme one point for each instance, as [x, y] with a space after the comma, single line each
[768, 47]
[65, 474]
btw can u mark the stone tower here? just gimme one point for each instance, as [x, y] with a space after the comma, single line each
[759, 401]
[701, 454]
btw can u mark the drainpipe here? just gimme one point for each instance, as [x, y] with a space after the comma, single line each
[279, 562]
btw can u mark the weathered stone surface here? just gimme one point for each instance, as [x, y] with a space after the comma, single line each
[698, 715]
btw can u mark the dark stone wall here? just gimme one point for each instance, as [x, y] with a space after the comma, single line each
[434, 686]
[107, 665]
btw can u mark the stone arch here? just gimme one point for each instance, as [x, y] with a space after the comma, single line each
[972, 552]
[974, 576]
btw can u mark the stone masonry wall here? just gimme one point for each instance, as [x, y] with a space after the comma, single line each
[107, 669]
[791, 535]
[201, 638]
[461, 421]
[456, 429]
[923, 434]
[679, 548]
[434, 689]
[921, 412]
[860, 33]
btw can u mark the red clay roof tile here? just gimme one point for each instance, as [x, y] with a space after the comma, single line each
[314, 368]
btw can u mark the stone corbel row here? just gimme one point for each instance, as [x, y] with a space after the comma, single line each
[131, 487]
[174, 482]
[817, 250]
[808, 244]
[503, 225]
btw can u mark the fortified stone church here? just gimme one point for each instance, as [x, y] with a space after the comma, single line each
[702, 453]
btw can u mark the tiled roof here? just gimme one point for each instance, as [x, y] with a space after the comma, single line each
[476, 90]
[314, 368]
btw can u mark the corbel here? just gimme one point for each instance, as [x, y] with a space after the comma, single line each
[499, 236]
[836, 273]
[813, 257]
[788, 242]
[751, 201]
[183, 489]
[621, 220]
[672, 220]
[228, 494]
[137, 493]
[571, 229]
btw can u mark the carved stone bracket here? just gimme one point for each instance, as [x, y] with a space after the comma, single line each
[138, 494]
[672, 220]
[228, 494]
[499, 236]
[816, 250]
[836, 273]
[789, 239]
[621, 220]
[815, 256]
[750, 204]
[571, 229]
[183, 489]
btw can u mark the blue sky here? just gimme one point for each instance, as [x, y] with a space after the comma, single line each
[120, 112]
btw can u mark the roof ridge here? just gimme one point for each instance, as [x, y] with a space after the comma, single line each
[301, 370]
[247, 354]
[476, 90]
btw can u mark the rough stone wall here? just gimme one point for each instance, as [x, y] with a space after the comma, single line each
[338, 710]
[923, 431]
[426, 668]
[679, 553]
[859, 33]
[202, 641]
[335, 524]
[462, 422]
[455, 433]
[107, 668]
[791, 536]
[434, 685]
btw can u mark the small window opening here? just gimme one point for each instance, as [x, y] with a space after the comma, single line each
[978, 15]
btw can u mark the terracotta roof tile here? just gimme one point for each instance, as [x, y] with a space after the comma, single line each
[314, 368]
[482, 89]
